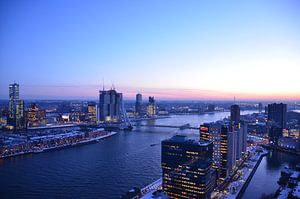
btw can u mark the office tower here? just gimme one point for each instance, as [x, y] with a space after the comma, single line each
[212, 132]
[277, 114]
[35, 116]
[16, 117]
[187, 168]
[241, 132]
[260, 107]
[92, 112]
[138, 104]
[228, 152]
[151, 107]
[110, 105]
[235, 113]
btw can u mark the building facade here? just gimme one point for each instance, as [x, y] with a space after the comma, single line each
[277, 114]
[16, 117]
[187, 168]
[92, 112]
[35, 116]
[138, 104]
[235, 113]
[151, 107]
[110, 106]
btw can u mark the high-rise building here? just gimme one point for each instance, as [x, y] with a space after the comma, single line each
[92, 112]
[235, 114]
[151, 107]
[228, 152]
[138, 104]
[260, 107]
[35, 116]
[187, 168]
[16, 117]
[212, 132]
[241, 139]
[277, 114]
[110, 105]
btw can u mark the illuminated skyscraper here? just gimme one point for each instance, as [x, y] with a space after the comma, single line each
[277, 114]
[110, 105]
[16, 108]
[187, 168]
[138, 104]
[212, 132]
[92, 112]
[151, 107]
[228, 152]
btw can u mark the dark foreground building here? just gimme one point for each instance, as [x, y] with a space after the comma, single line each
[187, 168]
[277, 114]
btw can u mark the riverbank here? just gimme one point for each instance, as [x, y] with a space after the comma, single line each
[34, 150]
[281, 149]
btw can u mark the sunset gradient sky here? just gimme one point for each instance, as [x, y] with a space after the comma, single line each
[63, 49]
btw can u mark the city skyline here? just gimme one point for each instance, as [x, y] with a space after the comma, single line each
[193, 51]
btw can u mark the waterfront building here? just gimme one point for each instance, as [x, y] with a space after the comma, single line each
[35, 116]
[92, 112]
[228, 152]
[212, 132]
[151, 107]
[240, 130]
[187, 168]
[138, 104]
[277, 114]
[16, 117]
[235, 113]
[110, 106]
[274, 132]
[289, 143]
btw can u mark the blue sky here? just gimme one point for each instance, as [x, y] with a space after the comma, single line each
[172, 49]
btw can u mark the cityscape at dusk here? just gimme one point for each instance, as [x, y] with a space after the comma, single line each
[150, 99]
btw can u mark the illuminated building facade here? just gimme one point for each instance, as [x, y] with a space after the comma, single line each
[35, 116]
[277, 114]
[212, 132]
[16, 117]
[110, 105]
[138, 104]
[187, 168]
[151, 107]
[92, 112]
[228, 152]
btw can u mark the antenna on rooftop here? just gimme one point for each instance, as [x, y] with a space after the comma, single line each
[103, 83]
[234, 99]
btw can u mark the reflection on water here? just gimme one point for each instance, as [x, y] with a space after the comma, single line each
[265, 179]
